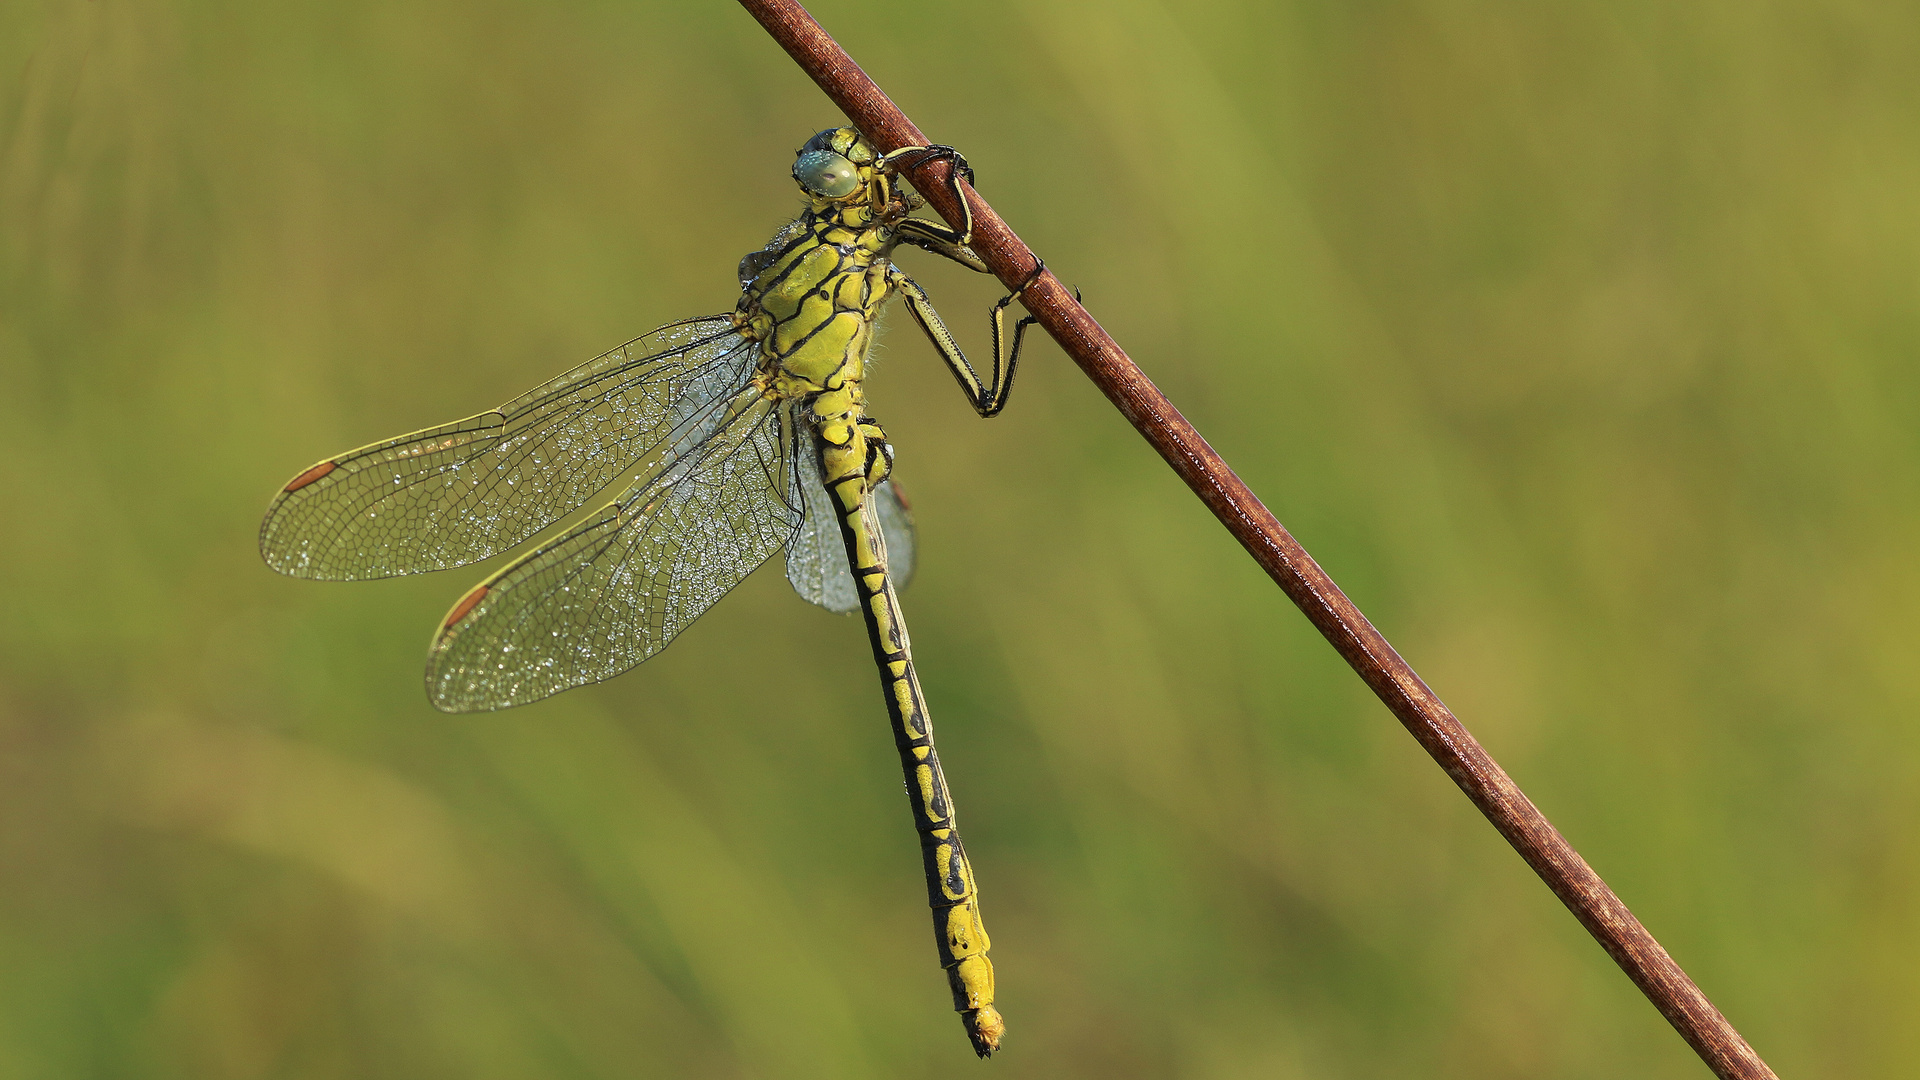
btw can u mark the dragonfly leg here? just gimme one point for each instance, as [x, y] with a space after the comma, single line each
[932, 236]
[961, 171]
[849, 461]
[990, 397]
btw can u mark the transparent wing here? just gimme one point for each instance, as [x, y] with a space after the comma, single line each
[464, 491]
[817, 556]
[755, 262]
[614, 590]
[896, 531]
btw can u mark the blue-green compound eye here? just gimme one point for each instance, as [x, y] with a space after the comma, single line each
[826, 174]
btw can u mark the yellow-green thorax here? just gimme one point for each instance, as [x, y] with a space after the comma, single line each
[812, 296]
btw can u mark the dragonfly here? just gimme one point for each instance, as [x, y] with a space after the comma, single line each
[730, 438]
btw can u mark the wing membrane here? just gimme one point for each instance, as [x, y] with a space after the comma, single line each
[615, 590]
[817, 556]
[896, 531]
[464, 491]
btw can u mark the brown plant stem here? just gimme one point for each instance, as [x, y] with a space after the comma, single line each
[1309, 587]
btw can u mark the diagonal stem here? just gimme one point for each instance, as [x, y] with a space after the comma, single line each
[1309, 587]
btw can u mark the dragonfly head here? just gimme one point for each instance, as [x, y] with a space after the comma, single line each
[838, 170]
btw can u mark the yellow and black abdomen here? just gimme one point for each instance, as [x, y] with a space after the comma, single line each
[812, 308]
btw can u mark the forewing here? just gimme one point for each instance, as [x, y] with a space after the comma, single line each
[614, 590]
[817, 557]
[464, 491]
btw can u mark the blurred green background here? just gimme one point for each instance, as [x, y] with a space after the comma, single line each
[1578, 340]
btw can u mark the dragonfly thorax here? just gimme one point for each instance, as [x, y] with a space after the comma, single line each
[813, 297]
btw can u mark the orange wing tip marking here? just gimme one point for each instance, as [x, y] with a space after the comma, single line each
[465, 605]
[900, 496]
[310, 475]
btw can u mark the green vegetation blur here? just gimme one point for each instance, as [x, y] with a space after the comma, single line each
[1579, 341]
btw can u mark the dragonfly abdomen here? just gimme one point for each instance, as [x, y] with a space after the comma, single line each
[851, 469]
